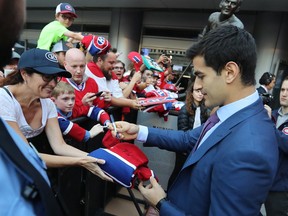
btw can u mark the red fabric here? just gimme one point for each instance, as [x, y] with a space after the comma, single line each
[161, 110]
[131, 153]
[96, 45]
[136, 58]
[125, 110]
[104, 117]
[108, 140]
[157, 93]
[161, 82]
[135, 156]
[144, 173]
[86, 40]
[124, 79]
[170, 87]
[76, 132]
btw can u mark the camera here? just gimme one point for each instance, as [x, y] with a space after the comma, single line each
[266, 98]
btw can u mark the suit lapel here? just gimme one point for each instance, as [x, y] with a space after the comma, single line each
[222, 131]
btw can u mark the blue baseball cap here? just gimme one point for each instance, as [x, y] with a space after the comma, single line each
[43, 61]
[65, 8]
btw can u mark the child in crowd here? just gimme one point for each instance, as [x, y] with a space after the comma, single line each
[57, 29]
[64, 98]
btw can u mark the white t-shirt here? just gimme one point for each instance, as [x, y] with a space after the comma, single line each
[10, 110]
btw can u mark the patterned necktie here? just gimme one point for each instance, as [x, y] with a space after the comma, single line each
[211, 121]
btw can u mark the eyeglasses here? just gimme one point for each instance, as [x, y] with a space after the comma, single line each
[48, 78]
[65, 17]
[118, 68]
[45, 77]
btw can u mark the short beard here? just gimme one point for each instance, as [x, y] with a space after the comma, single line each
[107, 75]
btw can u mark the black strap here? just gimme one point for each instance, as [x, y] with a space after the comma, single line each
[13, 152]
[7, 91]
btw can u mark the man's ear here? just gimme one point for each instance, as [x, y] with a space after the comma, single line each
[64, 64]
[232, 71]
[99, 59]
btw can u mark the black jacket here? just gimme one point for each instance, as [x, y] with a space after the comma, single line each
[186, 121]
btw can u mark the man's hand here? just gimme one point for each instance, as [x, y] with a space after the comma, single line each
[136, 105]
[107, 96]
[88, 99]
[136, 77]
[125, 130]
[269, 110]
[153, 192]
[164, 59]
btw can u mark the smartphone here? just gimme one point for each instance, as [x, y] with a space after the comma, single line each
[98, 94]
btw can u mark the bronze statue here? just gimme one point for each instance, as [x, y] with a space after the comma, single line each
[224, 17]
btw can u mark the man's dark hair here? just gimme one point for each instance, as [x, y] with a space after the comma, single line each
[266, 78]
[103, 56]
[224, 44]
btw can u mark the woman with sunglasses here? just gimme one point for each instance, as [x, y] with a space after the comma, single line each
[26, 106]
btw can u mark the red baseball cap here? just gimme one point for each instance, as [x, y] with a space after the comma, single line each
[136, 58]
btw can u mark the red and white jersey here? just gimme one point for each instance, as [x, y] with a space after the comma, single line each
[72, 129]
[92, 70]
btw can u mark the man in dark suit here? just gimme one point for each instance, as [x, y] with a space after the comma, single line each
[267, 83]
[231, 169]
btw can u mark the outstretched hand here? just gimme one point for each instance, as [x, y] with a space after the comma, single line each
[90, 163]
[95, 130]
[124, 130]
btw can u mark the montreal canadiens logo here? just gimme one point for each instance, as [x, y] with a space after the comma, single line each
[51, 57]
[68, 7]
[285, 130]
[101, 40]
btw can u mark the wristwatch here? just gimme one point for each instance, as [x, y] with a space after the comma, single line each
[159, 204]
